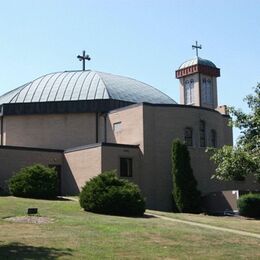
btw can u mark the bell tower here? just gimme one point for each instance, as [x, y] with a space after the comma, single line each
[198, 82]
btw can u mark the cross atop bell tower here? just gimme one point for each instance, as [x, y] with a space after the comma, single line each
[197, 47]
[198, 81]
[83, 58]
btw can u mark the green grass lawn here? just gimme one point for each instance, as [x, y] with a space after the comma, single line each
[76, 234]
[238, 223]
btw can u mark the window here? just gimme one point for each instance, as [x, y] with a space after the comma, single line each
[209, 92]
[202, 134]
[186, 92]
[203, 90]
[117, 127]
[126, 167]
[188, 136]
[189, 92]
[213, 138]
[206, 91]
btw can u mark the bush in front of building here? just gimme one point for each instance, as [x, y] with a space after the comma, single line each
[185, 194]
[107, 194]
[36, 181]
[249, 205]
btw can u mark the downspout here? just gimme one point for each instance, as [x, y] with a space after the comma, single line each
[105, 127]
[200, 94]
[2, 130]
[97, 127]
[2, 125]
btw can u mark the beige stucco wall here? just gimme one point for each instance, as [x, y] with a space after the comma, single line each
[131, 131]
[59, 131]
[79, 167]
[111, 160]
[164, 124]
[217, 202]
[154, 128]
[12, 160]
[83, 164]
[203, 173]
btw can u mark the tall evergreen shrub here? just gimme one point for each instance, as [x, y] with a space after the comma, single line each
[185, 193]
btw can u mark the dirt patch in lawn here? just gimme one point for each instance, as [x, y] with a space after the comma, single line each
[30, 219]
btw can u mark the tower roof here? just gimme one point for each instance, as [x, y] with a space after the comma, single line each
[85, 85]
[197, 60]
[197, 65]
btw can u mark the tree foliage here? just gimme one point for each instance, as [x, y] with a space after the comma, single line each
[234, 163]
[185, 193]
[36, 181]
[107, 194]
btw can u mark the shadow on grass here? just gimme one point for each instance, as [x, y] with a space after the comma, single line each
[147, 215]
[21, 251]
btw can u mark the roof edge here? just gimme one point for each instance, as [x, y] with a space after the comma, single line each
[102, 144]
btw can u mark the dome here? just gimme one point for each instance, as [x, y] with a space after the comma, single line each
[85, 85]
[197, 60]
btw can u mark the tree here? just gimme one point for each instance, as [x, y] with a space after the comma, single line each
[234, 163]
[185, 193]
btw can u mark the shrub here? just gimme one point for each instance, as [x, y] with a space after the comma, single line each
[249, 205]
[36, 181]
[107, 194]
[185, 193]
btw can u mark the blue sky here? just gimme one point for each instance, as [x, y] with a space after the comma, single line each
[146, 40]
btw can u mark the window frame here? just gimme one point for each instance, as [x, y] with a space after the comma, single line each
[129, 165]
[213, 138]
[117, 126]
[189, 92]
[188, 140]
[202, 133]
[207, 91]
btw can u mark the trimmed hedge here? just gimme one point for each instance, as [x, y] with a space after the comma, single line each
[107, 194]
[249, 205]
[36, 181]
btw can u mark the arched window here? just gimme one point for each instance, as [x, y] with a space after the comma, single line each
[203, 90]
[213, 138]
[189, 92]
[202, 134]
[186, 92]
[188, 136]
[206, 91]
[209, 92]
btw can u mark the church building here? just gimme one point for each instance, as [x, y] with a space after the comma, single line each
[86, 122]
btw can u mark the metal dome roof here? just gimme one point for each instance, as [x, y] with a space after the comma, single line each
[85, 85]
[197, 60]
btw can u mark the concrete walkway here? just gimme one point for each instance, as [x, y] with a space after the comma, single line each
[234, 231]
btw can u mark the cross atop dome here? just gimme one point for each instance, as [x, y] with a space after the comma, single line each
[83, 58]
